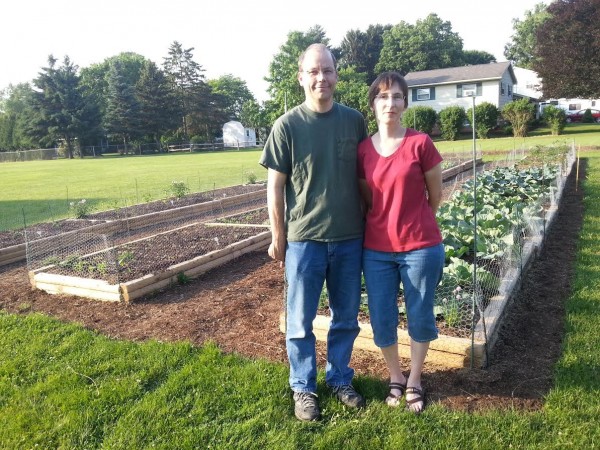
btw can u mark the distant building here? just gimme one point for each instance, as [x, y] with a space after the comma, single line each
[454, 86]
[235, 135]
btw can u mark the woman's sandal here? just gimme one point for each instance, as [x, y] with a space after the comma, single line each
[420, 397]
[394, 400]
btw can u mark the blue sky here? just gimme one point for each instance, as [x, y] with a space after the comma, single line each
[238, 37]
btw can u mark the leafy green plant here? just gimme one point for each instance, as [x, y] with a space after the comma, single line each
[251, 177]
[182, 278]
[178, 189]
[81, 208]
[124, 259]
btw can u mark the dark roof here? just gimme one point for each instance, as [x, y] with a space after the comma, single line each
[451, 75]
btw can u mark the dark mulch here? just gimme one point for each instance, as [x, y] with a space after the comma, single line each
[238, 307]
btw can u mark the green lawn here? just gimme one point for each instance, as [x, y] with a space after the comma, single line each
[39, 191]
[62, 386]
[42, 190]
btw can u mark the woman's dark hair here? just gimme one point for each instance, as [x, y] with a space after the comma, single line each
[385, 81]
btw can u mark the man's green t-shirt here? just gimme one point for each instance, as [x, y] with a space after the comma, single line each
[317, 152]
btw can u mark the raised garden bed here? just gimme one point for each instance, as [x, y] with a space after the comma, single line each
[63, 230]
[176, 256]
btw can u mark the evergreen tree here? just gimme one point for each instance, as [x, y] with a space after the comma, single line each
[59, 111]
[193, 94]
[159, 110]
[122, 116]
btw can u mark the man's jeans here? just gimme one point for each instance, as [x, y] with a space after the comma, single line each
[307, 265]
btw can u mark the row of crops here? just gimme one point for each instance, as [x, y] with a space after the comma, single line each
[486, 225]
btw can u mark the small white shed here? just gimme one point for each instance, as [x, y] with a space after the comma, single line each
[235, 135]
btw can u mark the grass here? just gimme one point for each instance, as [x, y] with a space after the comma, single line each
[62, 386]
[42, 190]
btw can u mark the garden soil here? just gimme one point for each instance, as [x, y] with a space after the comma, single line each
[238, 307]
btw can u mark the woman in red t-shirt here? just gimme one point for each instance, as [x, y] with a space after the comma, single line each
[400, 177]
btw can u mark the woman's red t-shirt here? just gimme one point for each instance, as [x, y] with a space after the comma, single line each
[400, 218]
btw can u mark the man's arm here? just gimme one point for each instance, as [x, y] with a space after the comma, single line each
[433, 181]
[276, 205]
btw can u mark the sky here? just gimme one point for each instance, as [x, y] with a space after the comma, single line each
[237, 37]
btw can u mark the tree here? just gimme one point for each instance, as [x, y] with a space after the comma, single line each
[474, 57]
[567, 55]
[159, 111]
[522, 49]
[519, 113]
[235, 93]
[362, 49]
[193, 95]
[122, 116]
[452, 119]
[253, 115]
[429, 44]
[94, 78]
[486, 118]
[352, 90]
[556, 119]
[14, 104]
[59, 110]
[284, 89]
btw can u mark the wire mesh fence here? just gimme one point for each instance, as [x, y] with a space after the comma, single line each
[130, 245]
[492, 225]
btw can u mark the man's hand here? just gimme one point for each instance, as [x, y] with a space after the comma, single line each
[277, 251]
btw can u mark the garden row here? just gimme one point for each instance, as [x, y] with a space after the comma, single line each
[486, 255]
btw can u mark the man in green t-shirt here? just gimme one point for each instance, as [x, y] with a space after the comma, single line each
[317, 227]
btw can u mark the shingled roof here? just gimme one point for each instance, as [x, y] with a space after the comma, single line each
[463, 74]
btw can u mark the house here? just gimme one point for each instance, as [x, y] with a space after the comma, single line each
[455, 86]
[235, 135]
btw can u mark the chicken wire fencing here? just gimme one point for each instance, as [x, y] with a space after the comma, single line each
[128, 247]
[489, 241]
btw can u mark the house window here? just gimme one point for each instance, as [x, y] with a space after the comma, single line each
[574, 106]
[247, 133]
[468, 90]
[501, 88]
[593, 102]
[423, 94]
[509, 88]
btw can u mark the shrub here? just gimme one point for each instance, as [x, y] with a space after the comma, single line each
[519, 113]
[555, 118]
[587, 116]
[421, 118]
[452, 119]
[486, 118]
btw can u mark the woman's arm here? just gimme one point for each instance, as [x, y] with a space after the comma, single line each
[433, 182]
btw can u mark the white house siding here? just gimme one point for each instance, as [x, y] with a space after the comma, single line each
[507, 96]
[445, 95]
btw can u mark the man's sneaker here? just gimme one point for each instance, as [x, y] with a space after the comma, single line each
[306, 406]
[348, 396]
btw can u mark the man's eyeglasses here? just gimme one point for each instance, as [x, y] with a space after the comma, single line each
[396, 98]
[314, 73]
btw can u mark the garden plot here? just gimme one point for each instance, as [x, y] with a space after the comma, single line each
[515, 208]
[215, 202]
[125, 259]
